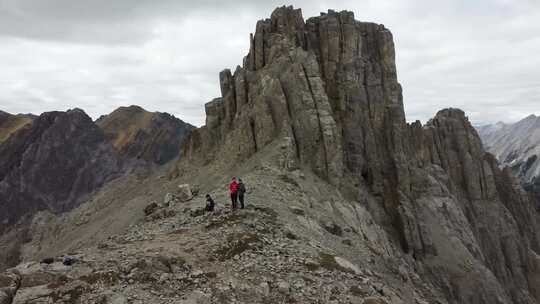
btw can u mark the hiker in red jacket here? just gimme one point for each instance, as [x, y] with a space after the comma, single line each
[233, 190]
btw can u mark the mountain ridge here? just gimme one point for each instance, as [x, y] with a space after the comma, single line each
[347, 203]
[335, 107]
[517, 146]
[58, 160]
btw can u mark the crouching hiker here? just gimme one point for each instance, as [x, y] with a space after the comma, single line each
[233, 190]
[210, 204]
[241, 192]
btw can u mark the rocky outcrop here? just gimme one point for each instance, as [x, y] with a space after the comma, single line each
[327, 85]
[139, 134]
[53, 164]
[517, 146]
[461, 196]
[347, 202]
[325, 91]
[9, 284]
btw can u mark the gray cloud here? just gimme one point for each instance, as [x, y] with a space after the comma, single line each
[165, 55]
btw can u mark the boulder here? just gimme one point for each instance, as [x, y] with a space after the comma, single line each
[184, 193]
[9, 284]
[283, 287]
[347, 265]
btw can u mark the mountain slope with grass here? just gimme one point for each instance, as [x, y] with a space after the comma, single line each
[10, 123]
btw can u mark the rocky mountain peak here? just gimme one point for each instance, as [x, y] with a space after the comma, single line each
[136, 133]
[532, 116]
[53, 164]
[517, 146]
[325, 92]
[309, 82]
[344, 194]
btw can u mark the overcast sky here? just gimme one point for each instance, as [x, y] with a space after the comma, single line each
[479, 55]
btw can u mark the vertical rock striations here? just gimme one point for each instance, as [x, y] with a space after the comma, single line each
[517, 146]
[464, 208]
[326, 89]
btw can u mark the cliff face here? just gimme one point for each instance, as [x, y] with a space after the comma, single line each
[517, 146]
[463, 199]
[325, 90]
[139, 134]
[53, 164]
[328, 86]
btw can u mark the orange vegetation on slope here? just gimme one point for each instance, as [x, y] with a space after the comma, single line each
[122, 125]
[12, 124]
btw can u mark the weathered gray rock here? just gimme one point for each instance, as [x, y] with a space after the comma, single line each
[284, 100]
[476, 201]
[53, 165]
[283, 287]
[10, 282]
[326, 90]
[517, 146]
[390, 212]
[184, 193]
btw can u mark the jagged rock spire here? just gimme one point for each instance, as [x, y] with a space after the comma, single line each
[325, 91]
[312, 82]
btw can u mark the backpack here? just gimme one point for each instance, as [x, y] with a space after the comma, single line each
[241, 188]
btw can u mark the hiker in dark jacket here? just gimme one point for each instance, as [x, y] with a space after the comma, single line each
[233, 190]
[209, 203]
[241, 192]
